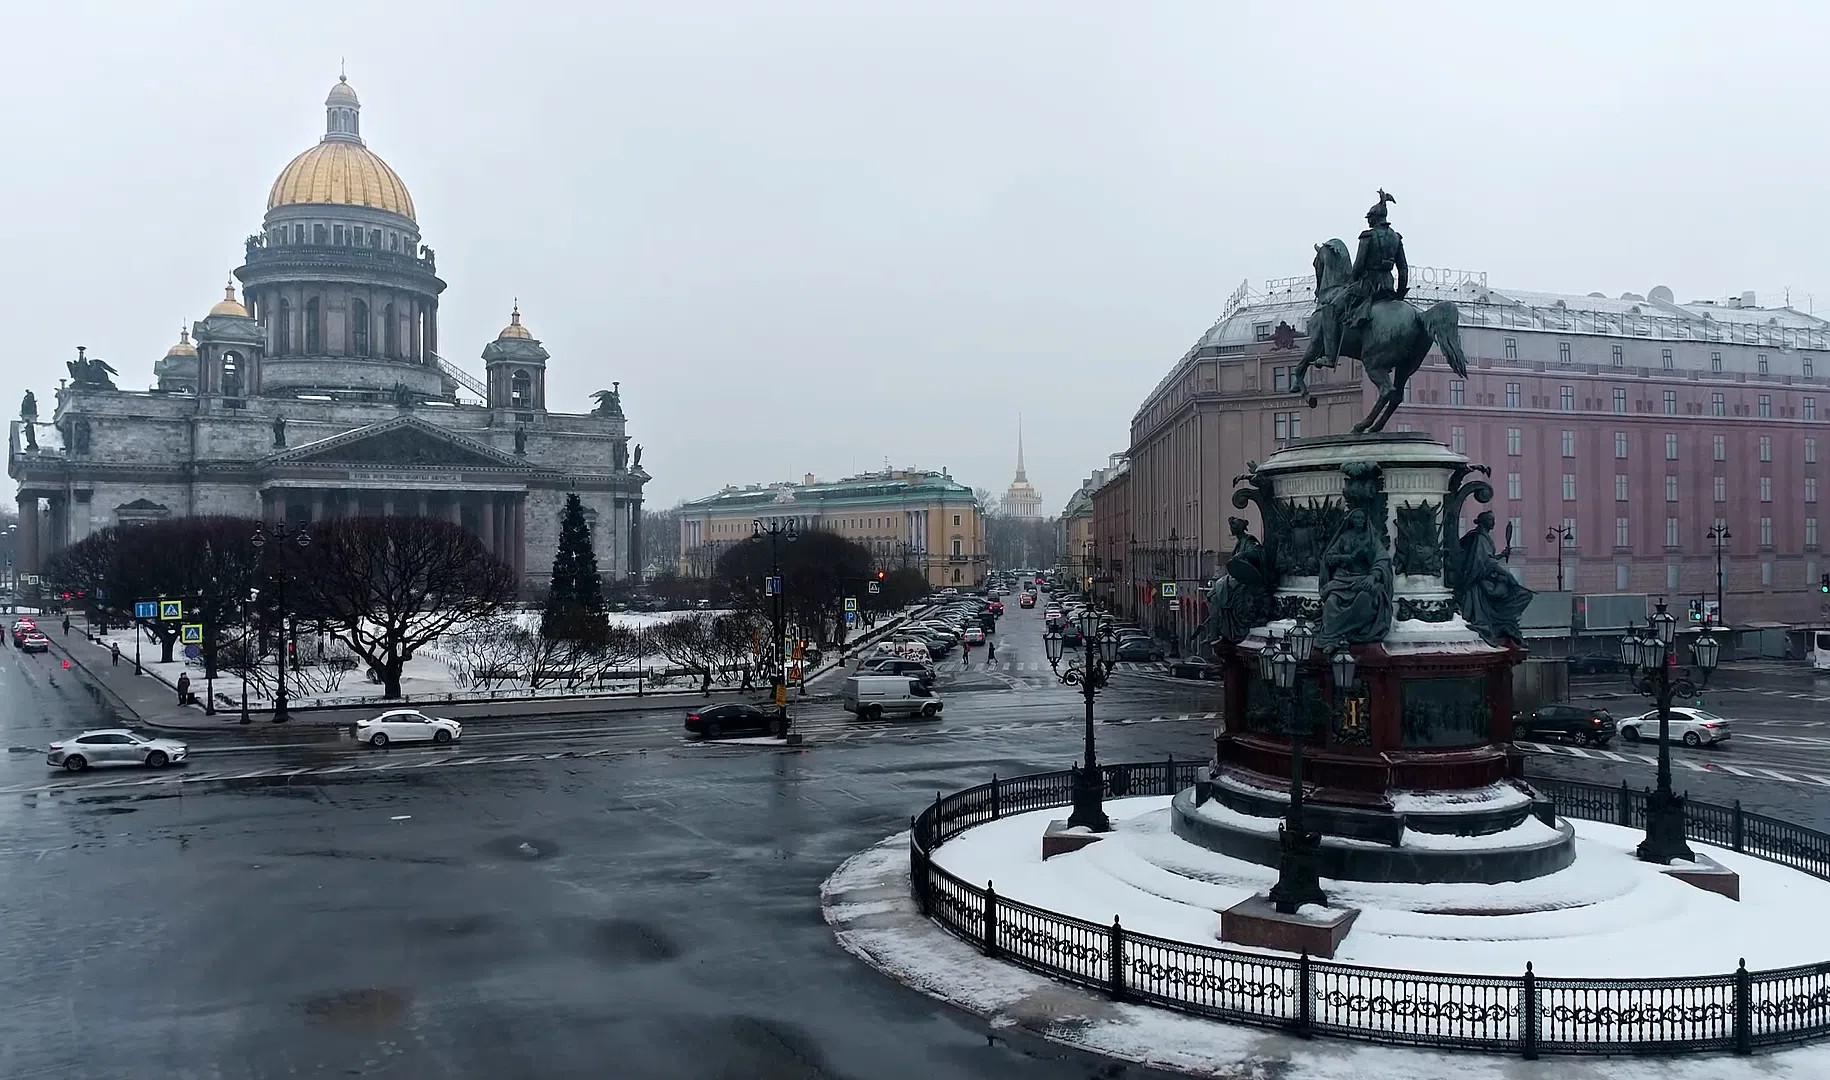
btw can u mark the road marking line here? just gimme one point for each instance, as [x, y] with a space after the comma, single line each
[1737, 770]
[1611, 755]
[1577, 751]
[1778, 775]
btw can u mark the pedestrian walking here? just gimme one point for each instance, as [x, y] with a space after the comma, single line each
[184, 688]
[114, 654]
[66, 624]
[991, 651]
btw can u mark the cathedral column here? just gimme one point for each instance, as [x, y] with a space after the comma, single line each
[456, 512]
[27, 554]
[317, 504]
[387, 504]
[432, 330]
[632, 562]
[425, 503]
[487, 516]
[521, 534]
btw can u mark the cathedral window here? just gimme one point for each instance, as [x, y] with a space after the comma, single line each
[375, 239]
[390, 333]
[231, 375]
[298, 234]
[320, 234]
[313, 344]
[520, 390]
[358, 328]
[337, 235]
[282, 328]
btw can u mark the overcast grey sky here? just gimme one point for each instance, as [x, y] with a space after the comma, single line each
[810, 240]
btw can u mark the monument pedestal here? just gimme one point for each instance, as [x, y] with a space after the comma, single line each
[1256, 922]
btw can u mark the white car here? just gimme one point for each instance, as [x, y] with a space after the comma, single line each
[1692, 727]
[114, 746]
[407, 725]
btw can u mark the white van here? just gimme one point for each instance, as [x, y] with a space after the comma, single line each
[876, 696]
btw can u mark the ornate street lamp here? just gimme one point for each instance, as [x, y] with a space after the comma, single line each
[1299, 849]
[1560, 535]
[1646, 654]
[776, 531]
[279, 533]
[1100, 647]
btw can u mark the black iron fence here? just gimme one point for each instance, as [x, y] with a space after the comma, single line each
[1526, 1014]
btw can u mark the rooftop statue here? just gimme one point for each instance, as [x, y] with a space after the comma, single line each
[88, 372]
[28, 409]
[1362, 315]
[609, 403]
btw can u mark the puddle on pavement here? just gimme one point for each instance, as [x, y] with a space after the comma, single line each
[114, 810]
[366, 1007]
[521, 847]
[630, 941]
[453, 925]
[774, 1049]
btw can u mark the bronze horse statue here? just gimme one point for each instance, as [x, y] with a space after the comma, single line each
[1393, 343]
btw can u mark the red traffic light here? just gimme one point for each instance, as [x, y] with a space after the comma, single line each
[881, 575]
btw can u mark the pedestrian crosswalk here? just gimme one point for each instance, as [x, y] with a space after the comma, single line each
[1678, 762]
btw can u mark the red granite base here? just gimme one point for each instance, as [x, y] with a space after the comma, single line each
[1709, 875]
[1058, 839]
[1256, 921]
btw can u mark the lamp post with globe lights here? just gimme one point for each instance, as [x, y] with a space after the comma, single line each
[272, 542]
[1101, 646]
[1299, 848]
[1649, 654]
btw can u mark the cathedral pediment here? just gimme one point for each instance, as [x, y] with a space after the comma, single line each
[402, 442]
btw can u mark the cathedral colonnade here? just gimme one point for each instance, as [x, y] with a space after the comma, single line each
[498, 519]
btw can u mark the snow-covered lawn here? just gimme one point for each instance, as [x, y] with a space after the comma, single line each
[1606, 915]
[867, 903]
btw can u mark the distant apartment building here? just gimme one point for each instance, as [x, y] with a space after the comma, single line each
[906, 517]
[1632, 427]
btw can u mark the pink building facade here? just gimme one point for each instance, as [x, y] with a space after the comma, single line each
[1634, 425]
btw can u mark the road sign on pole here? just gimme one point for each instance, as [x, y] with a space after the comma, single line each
[171, 610]
[851, 603]
[775, 585]
[875, 588]
[145, 609]
[851, 620]
[1168, 591]
[191, 633]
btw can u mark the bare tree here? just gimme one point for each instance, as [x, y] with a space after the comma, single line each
[485, 652]
[387, 586]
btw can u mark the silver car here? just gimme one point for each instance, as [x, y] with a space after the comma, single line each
[114, 746]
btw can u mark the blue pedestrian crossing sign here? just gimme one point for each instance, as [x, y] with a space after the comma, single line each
[1168, 590]
[191, 633]
[145, 609]
[171, 610]
[851, 603]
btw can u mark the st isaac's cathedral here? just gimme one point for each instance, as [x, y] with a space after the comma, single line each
[321, 393]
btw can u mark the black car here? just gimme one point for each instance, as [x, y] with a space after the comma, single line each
[1594, 664]
[722, 720]
[1137, 649]
[1193, 667]
[1577, 723]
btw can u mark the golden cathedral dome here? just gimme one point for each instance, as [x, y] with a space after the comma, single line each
[514, 329]
[341, 170]
[228, 305]
[341, 174]
[184, 346]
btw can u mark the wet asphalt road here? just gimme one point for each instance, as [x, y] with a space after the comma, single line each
[575, 901]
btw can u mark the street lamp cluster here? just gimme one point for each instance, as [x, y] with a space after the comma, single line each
[1101, 645]
[278, 534]
[776, 531]
[1280, 662]
[1649, 652]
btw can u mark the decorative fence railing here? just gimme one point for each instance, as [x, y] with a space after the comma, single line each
[1526, 1014]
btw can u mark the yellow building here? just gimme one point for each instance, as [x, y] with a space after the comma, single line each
[906, 517]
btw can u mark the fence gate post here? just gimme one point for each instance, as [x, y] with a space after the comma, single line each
[1626, 805]
[1115, 955]
[1528, 1009]
[1169, 776]
[1744, 1004]
[994, 796]
[1302, 996]
[991, 920]
[922, 881]
[1740, 836]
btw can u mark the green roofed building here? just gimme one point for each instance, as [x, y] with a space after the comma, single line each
[906, 517]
